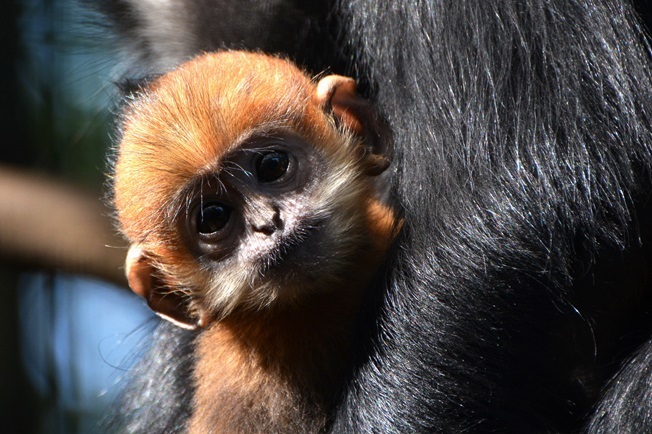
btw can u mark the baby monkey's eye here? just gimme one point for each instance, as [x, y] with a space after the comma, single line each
[212, 217]
[271, 166]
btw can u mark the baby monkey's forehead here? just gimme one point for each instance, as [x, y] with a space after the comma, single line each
[229, 97]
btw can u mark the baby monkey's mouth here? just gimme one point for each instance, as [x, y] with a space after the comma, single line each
[296, 250]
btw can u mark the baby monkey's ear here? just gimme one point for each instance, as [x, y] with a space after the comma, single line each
[142, 277]
[337, 95]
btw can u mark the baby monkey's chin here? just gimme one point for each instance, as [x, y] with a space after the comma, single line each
[296, 252]
[302, 248]
[300, 270]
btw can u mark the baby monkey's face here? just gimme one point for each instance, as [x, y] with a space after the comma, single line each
[278, 220]
[260, 208]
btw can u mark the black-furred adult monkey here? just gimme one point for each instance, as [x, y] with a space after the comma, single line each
[518, 287]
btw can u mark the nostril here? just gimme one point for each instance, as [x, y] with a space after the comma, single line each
[266, 229]
[276, 220]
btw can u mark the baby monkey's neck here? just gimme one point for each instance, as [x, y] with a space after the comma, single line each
[278, 371]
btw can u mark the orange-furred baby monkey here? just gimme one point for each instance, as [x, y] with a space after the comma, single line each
[252, 200]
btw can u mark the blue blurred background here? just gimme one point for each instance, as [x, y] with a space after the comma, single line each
[65, 338]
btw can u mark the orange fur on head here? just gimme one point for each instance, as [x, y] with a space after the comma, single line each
[275, 345]
[187, 128]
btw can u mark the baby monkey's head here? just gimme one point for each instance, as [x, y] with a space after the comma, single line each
[242, 185]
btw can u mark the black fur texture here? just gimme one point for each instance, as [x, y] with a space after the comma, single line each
[522, 132]
[159, 396]
[520, 285]
[626, 405]
[156, 37]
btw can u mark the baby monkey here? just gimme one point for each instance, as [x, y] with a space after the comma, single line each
[252, 199]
